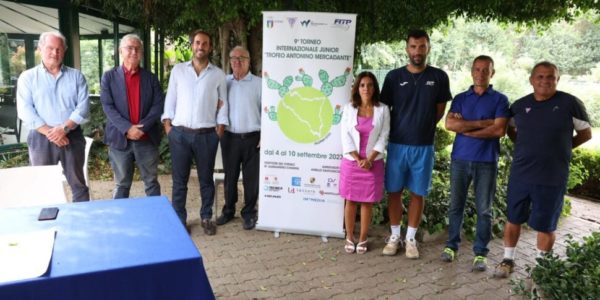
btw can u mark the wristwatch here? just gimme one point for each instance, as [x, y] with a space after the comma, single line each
[66, 129]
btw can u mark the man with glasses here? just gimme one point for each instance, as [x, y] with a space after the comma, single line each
[195, 116]
[241, 141]
[132, 100]
[52, 100]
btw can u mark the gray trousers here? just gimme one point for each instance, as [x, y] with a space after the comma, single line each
[42, 152]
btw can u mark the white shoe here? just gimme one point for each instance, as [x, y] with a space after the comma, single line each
[412, 251]
[392, 244]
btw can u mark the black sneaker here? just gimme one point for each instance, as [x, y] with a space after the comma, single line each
[249, 223]
[224, 219]
[209, 227]
[504, 268]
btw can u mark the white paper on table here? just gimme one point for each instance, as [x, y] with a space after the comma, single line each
[25, 255]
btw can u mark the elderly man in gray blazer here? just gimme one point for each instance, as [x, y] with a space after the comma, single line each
[133, 102]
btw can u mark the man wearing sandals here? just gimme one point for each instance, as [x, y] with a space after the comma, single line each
[478, 116]
[541, 127]
[417, 96]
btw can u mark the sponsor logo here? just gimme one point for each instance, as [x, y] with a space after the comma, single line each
[342, 21]
[332, 182]
[312, 180]
[292, 21]
[270, 188]
[343, 24]
[305, 23]
[527, 110]
[555, 108]
[270, 23]
[296, 181]
[403, 83]
[430, 83]
[270, 179]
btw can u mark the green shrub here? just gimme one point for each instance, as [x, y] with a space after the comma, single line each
[588, 161]
[577, 276]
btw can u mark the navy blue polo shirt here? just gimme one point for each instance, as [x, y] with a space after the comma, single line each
[545, 137]
[413, 99]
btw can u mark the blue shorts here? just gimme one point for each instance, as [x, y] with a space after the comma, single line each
[538, 205]
[409, 166]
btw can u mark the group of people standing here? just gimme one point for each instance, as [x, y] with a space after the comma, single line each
[52, 99]
[412, 101]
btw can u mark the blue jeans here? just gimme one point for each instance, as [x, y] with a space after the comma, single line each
[202, 148]
[145, 156]
[483, 175]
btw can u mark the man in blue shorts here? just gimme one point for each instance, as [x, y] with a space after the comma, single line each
[541, 127]
[416, 94]
[479, 117]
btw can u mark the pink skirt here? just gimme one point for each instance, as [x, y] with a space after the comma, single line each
[360, 185]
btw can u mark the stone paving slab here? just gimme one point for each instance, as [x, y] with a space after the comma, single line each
[253, 264]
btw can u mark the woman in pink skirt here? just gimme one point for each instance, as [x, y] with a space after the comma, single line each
[365, 128]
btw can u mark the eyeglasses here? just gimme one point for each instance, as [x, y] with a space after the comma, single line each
[131, 49]
[239, 58]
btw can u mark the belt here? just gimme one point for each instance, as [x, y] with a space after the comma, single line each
[243, 135]
[196, 130]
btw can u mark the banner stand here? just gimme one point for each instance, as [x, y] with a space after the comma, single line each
[307, 79]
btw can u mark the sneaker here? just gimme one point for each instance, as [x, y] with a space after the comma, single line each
[479, 264]
[210, 228]
[504, 268]
[448, 255]
[392, 244]
[412, 251]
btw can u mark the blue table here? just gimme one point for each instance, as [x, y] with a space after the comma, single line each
[113, 249]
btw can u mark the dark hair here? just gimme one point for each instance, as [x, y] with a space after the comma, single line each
[546, 64]
[417, 34]
[486, 58]
[356, 101]
[196, 32]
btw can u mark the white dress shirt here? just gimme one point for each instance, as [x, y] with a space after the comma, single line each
[244, 103]
[192, 100]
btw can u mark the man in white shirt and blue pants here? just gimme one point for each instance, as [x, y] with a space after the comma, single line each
[195, 116]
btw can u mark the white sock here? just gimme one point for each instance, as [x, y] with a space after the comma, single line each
[395, 230]
[509, 252]
[410, 233]
[541, 253]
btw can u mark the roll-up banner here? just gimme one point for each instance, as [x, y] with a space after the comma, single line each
[307, 79]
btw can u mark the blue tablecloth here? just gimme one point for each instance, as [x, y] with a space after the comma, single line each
[113, 249]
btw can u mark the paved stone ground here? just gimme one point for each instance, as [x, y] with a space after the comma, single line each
[254, 264]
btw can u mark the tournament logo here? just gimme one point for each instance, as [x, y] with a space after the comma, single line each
[292, 21]
[343, 24]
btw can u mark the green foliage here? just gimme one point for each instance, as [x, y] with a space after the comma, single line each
[15, 155]
[577, 276]
[586, 160]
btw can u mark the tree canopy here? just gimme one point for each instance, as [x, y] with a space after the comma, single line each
[235, 22]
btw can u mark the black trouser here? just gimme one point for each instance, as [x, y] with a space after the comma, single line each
[241, 150]
[42, 152]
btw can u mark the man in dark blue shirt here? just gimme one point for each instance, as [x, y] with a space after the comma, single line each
[478, 116]
[542, 127]
[417, 96]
